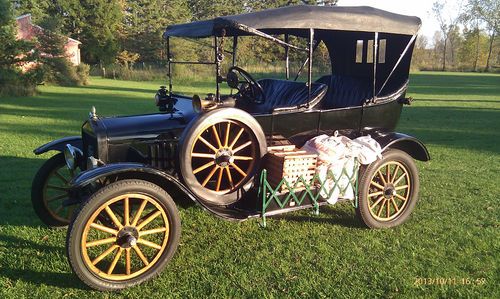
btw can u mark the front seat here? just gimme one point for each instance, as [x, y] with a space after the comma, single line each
[284, 95]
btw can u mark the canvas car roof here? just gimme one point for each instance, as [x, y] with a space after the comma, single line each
[293, 19]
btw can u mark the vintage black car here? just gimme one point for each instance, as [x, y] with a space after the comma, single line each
[116, 184]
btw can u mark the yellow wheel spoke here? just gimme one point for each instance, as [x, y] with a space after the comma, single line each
[104, 228]
[375, 193]
[203, 167]
[236, 138]
[239, 148]
[152, 231]
[388, 208]
[139, 212]
[214, 129]
[148, 220]
[59, 209]
[381, 176]
[230, 177]
[400, 197]
[226, 139]
[401, 187]
[381, 208]
[115, 261]
[149, 244]
[57, 197]
[377, 185]
[141, 255]
[242, 158]
[395, 205]
[202, 155]
[399, 179]
[219, 179]
[104, 254]
[113, 217]
[388, 171]
[210, 175]
[101, 242]
[126, 211]
[61, 177]
[207, 144]
[377, 202]
[395, 173]
[57, 188]
[127, 261]
[239, 169]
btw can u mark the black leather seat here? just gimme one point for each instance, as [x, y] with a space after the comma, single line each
[285, 94]
[344, 91]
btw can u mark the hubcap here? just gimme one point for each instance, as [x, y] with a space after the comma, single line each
[389, 191]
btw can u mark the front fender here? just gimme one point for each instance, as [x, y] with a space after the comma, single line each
[406, 143]
[141, 171]
[58, 145]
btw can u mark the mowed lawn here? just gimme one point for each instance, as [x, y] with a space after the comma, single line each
[453, 233]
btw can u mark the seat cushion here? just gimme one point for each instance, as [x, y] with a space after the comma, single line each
[286, 94]
[345, 91]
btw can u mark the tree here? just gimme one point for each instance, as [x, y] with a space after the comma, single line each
[489, 12]
[13, 53]
[144, 23]
[446, 27]
[98, 25]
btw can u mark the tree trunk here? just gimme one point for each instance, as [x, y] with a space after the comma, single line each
[477, 48]
[444, 54]
[492, 38]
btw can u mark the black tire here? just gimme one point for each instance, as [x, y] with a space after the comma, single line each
[384, 207]
[92, 212]
[214, 184]
[50, 211]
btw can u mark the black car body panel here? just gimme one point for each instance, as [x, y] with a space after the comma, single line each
[59, 144]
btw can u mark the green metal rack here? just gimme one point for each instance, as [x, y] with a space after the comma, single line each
[302, 190]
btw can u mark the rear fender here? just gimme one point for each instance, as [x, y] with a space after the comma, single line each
[59, 144]
[406, 143]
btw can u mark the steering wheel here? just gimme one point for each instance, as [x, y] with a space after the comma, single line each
[249, 88]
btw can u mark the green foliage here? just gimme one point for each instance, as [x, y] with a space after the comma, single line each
[13, 54]
[54, 64]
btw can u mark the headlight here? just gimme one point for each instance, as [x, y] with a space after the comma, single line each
[71, 155]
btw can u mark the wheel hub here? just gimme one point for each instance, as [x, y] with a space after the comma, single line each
[224, 157]
[389, 191]
[127, 237]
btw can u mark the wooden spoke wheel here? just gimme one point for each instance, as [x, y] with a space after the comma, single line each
[125, 234]
[388, 190]
[223, 155]
[50, 189]
[220, 153]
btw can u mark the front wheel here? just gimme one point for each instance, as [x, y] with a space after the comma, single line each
[388, 190]
[50, 189]
[125, 234]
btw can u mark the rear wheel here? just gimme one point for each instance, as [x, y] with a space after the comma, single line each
[50, 189]
[388, 190]
[123, 235]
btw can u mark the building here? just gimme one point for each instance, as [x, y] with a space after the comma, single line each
[27, 30]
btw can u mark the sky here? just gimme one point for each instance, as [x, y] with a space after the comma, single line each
[419, 8]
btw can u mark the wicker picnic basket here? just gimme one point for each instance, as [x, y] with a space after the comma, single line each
[289, 163]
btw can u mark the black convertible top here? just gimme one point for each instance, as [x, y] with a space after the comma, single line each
[292, 18]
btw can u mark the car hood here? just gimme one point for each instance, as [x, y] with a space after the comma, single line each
[147, 126]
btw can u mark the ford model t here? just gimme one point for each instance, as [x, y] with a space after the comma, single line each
[116, 185]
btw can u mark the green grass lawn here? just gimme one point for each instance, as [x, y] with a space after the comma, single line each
[453, 234]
